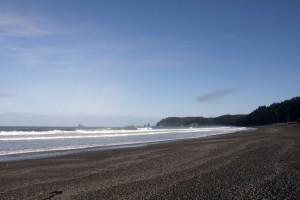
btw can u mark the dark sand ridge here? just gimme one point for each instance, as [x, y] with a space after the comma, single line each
[247, 165]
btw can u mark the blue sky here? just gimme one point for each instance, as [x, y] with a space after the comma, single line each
[133, 62]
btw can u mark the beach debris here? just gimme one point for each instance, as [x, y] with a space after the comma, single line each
[53, 194]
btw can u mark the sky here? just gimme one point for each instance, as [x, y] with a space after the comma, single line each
[123, 62]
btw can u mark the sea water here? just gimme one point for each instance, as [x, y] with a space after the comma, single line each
[17, 143]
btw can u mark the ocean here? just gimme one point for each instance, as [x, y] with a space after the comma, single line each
[18, 143]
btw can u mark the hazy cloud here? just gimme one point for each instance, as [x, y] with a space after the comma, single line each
[216, 95]
[22, 26]
[29, 119]
[40, 55]
[4, 96]
[76, 51]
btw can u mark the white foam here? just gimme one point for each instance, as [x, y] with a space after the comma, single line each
[16, 133]
[104, 133]
[22, 142]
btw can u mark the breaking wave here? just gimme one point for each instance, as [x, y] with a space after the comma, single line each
[32, 140]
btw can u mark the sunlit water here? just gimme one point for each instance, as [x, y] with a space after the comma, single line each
[18, 143]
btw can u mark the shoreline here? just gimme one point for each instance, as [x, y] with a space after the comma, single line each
[263, 163]
[23, 155]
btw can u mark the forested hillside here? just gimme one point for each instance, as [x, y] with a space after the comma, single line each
[286, 111]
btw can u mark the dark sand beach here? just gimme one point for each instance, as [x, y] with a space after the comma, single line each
[263, 164]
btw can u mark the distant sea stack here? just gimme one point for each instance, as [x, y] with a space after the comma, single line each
[80, 125]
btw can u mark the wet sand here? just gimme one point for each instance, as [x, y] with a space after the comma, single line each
[262, 164]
